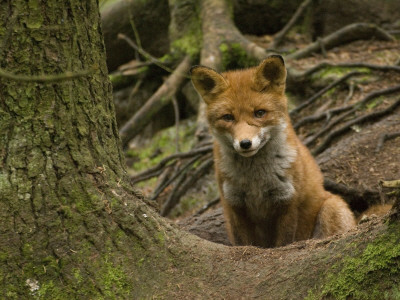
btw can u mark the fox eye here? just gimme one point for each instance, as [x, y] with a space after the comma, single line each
[259, 113]
[228, 118]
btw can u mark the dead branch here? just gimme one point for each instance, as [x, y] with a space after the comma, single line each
[323, 91]
[385, 137]
[184, 184]
[360, 120]
[391, 183]
[352, 108]
[161, 188]
[150, 59]
[207, 206]
[349, 33]
[145, 176]
[159, 99]
[137, 178]
[176, 112]
[282, 33]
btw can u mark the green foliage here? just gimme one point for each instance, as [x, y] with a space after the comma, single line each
[164, 144]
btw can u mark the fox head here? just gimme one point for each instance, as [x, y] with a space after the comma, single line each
[245, 108]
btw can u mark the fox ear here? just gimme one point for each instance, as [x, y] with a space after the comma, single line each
[207, 82]
[271, 73]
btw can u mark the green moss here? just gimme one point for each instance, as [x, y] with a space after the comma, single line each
[185, 29]
[162, 145]
[334, 73]
[368, 273]
[234, 57]
[189, 44]
[114, 279]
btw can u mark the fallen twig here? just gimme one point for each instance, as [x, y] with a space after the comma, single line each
[176, 112]
[166, 160]
[391, 183]
[183, 185]
[162, 187]
[207, 206]
[147, 55]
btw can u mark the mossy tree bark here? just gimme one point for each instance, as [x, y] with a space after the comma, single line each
[71, 225]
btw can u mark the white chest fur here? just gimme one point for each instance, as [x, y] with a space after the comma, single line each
[257, 182]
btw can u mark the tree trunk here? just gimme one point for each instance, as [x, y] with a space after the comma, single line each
[71, 225]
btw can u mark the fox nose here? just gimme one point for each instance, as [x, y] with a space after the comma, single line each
[245, 144]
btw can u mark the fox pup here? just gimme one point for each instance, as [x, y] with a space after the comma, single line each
[270, 186]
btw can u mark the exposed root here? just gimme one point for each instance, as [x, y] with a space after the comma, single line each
[386, 137]
[360, 120]
[323, 91]
[278, 38]
[324, 65]
[349, 33]
[159, 99]
[349, 109]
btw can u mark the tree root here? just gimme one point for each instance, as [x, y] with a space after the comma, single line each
[349, 109]
[349, 33]
[347, 126]
[323, 91]
[159, 99]
[278, 38]
[385, 137]
[320, 66]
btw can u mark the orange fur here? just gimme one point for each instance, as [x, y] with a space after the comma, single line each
[271, 187]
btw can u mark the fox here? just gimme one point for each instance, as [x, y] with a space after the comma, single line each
[270, 186]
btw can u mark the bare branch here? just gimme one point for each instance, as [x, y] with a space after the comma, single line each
[184, 184]
[158, 100]
[166, 160]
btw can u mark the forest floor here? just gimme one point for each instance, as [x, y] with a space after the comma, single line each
[354, 158]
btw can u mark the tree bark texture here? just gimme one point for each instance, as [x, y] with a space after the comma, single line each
[60, 158]
[71, 225]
